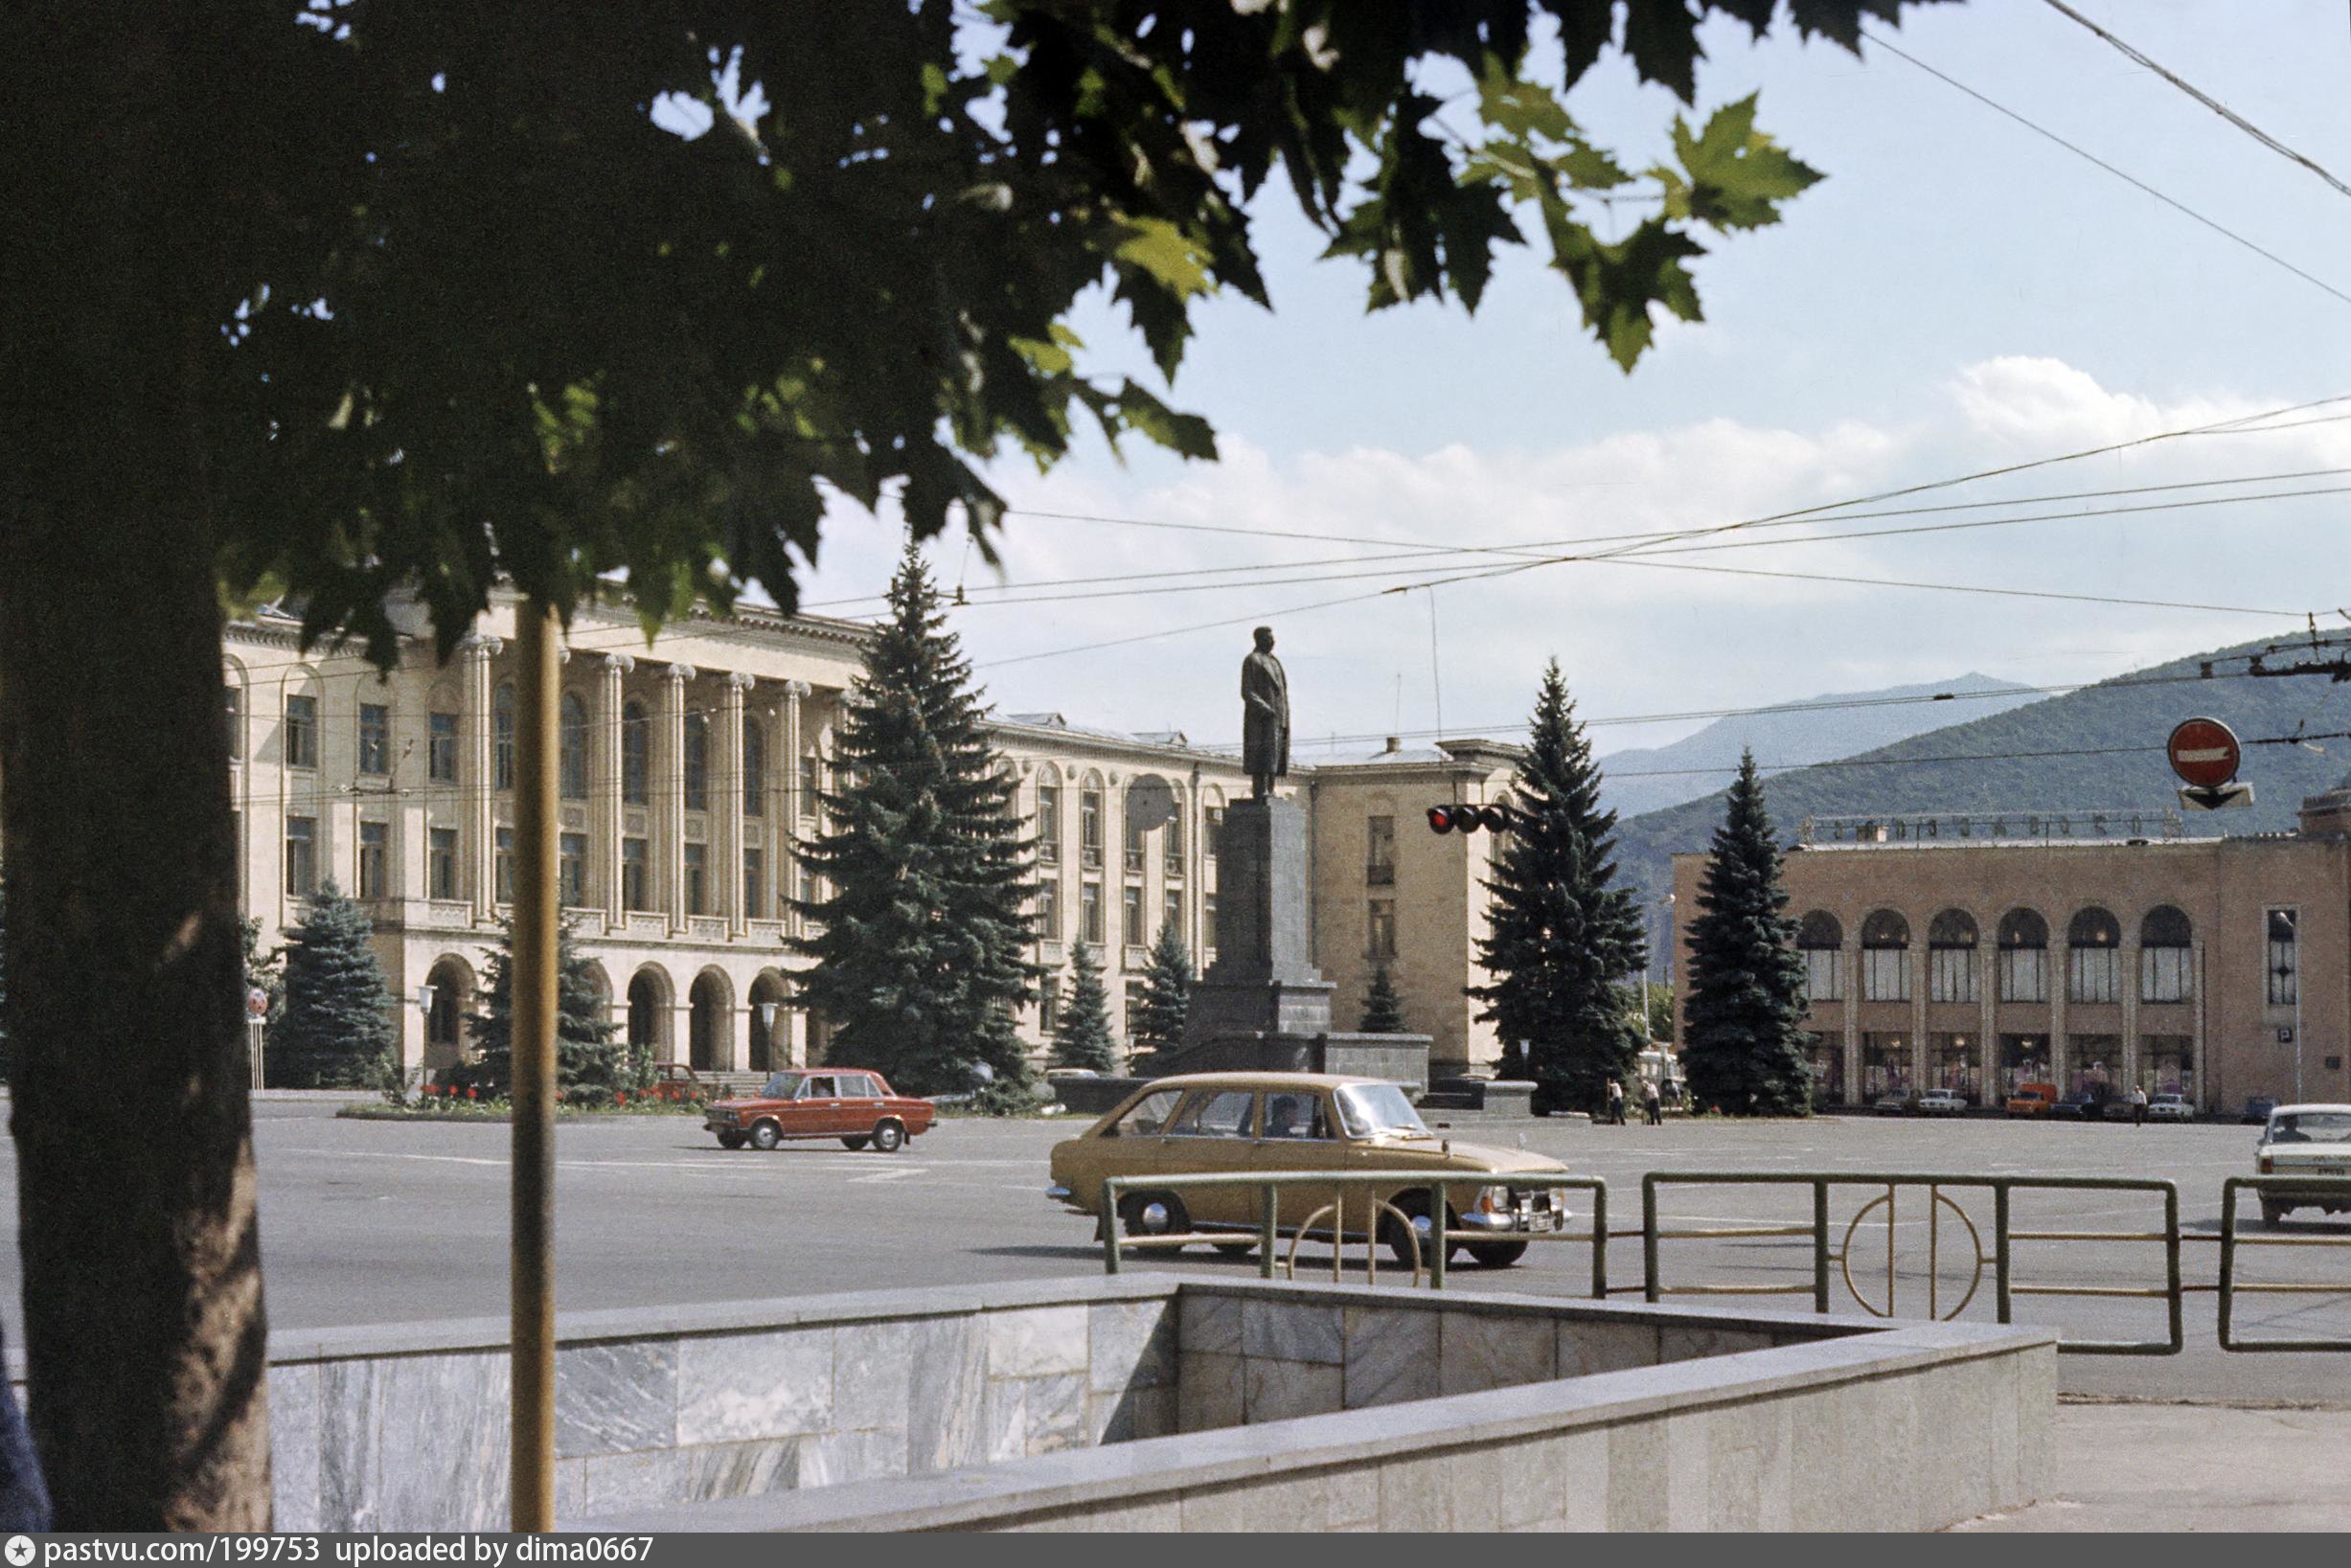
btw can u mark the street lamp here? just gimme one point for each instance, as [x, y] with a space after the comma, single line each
[424, 998]
[766, 1016]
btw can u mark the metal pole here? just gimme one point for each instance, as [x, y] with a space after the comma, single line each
[1821, 1246]
[1269, 1230]
[1437, 1237]
[533, 936]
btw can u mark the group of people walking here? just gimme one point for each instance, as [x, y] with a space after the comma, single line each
[1652, 1105]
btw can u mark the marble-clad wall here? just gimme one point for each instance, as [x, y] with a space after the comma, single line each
[418, 1441]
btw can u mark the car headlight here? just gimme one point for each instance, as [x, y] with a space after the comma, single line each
[1493, 1201]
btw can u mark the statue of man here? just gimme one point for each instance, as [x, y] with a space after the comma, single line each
[1265, 717]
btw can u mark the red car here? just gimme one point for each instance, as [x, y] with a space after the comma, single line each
[850, 1103]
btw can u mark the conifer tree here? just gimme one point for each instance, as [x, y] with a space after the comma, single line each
[1165, 1005]
[1083, 1037]
[1383, 1010]
[1743, 1039]
[920, 944]
[590, 1065]
[337, 1021]
[1564, 938]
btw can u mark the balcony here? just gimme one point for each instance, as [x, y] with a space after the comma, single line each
[1380, 873]
[1134, 862]
[1090, 857]
[1174, 865]
[1048, 852]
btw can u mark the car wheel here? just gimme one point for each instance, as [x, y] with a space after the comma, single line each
[1496, 1254]
[766, 1135]
[888, 1136]
[2272, 1211]
[1414, 1207]
[1154, 1214]
[1235, 1249]
[853, 1143]
[730, 1139]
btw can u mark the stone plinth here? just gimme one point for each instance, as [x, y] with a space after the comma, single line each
[1263, 982]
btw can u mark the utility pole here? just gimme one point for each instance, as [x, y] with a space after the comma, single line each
[532, 1266]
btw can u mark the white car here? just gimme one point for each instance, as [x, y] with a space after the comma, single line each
[2305, 1140]
[2170, 1108]
[1942, 1102]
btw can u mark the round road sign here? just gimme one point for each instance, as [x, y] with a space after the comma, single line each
[2204, 753]
[257, 1003]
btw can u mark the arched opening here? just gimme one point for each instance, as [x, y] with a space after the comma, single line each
[711, 1011]
[1821, 939]
[1885, 958]
[2166, 961]
[770, 1023]
[452, 979]
[1950, 957]
[2025, 957]
[649, 1014]
[2095, 963]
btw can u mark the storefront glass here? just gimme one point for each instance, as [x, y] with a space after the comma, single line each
[1827, 1057]
[1954, 1061]
[2093, 1064]
[1886, 1065]
[2167, 1064]
[2025, 1058]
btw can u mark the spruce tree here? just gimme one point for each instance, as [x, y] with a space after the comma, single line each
[336, 1022]
[920, 945]
[1165, 1005]
[1383, 1010]
[1083, 1037]
[1563, 937]
[1743, 1039]
[590, 1065]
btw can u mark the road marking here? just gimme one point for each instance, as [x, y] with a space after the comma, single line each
[898, 1175]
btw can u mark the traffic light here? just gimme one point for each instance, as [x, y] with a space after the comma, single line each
[1461, 817]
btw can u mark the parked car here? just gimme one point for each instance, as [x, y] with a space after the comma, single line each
[2032, 1100]
[2080, 1106]
[850, 1103]
[1942, 1102]
[2305, 1140]
[2170, 1108]
[2258, 1110]
[1895, 1103]
[674, 1081]
[1201, 1122]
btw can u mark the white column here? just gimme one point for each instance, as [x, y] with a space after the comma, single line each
[2195, 1041]
[786, 853]
[2129, 1016]
[606, 786]
[670, 795]
[1987, 1044]
[728, 777]
[2061, 977]
[1919, 1073]
[1851, 959]
[479, 846]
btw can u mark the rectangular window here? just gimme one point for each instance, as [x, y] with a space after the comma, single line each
[1951, 975]
[1130, 918]
[1379, 930]
[374, 738]
[301, 731]
[502, 738]
[1049, 908]
[808, 785]
[441, 863]
[1172, 910]
[441, 749]
[571, 870]
[637, 862]
[696, 760]
[2164, 974]
[2283, 962]
[1172, 842]
[1089, 828]
[1886, 974]
[1138, 840]
[1048, 824]
[375, 851]
[1379, 852]
[1048, 1005]
[809, 892]
[1215, 819]
[1208, 924]
[502, 870]
[1824, 974]
[1134, 1005]
[232, 711]
[698, 878]
[2094, 974]
[1089, 913]
[301, 855]
[2024, 974]
[754, 774]
[751, 880]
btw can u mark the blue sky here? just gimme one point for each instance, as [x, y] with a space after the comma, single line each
[1958, 293]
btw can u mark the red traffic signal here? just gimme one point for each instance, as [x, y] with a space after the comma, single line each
[1462, 817]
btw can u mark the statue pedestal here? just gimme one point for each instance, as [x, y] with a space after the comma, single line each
[1263, 981]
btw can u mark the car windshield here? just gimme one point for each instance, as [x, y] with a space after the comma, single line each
[2311, 1128]
[1373, 1109]
[781, 1085]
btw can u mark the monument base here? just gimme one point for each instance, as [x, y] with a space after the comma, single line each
[1399, 1059]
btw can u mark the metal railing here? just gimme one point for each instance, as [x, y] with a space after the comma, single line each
[2231, 1286]
[2004, 1235]
[1270, 1185]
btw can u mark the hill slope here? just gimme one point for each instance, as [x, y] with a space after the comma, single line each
[1650, 779]
[1985, 764]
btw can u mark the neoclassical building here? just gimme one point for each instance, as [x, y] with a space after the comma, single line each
[687, 769]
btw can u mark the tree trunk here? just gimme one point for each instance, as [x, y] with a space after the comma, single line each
[143, 1326]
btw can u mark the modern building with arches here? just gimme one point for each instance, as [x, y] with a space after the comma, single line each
[1955, 953]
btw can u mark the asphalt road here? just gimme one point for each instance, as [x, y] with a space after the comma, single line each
[385, 1222]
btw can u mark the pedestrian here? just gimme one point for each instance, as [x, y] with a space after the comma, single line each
[1653, 1109]
[2139, 1106]
[1617, 1103]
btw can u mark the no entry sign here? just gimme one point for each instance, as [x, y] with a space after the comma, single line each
[2204, 753]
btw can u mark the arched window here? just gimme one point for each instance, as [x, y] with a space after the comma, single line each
[754, 769]
[2025, 957]
[572, 748]
[1885, 958]
[1951, 958]
[1821, 939]
[636, 753]
[502, 736]
[2165, 962]
[2095, 965]
[1048, 815]
[698, 761]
